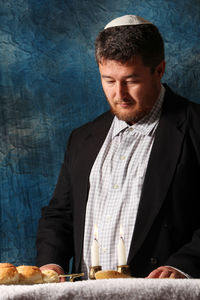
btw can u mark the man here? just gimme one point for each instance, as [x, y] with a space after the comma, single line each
[136, 167]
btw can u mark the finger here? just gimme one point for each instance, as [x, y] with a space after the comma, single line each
[154, 274]
[178, 275]
[172, 276]
[165, 274]
[62, 279]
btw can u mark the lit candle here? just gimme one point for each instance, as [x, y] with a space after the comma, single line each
[121, 250]
[95, 249]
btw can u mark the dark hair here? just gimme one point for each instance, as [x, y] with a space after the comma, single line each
[122, 43]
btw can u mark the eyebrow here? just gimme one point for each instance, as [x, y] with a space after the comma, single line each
[125, 77]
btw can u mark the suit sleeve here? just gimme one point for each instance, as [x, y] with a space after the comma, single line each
[55, 230]
[187, 258]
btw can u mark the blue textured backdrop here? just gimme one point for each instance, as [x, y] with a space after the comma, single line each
[49, 84]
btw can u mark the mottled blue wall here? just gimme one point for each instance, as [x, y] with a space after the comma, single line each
[49, 84]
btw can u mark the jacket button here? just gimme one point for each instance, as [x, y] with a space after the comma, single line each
[153, 260]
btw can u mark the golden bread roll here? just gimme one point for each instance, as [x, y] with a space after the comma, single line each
[29, 275]
[110, 274]
[50, 276]
[8, 274]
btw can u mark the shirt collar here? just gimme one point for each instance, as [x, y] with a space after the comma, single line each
[147, 124]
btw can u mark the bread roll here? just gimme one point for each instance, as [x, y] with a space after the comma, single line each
[29, 275]
[110, 274]
[8, 274]
[50, 276]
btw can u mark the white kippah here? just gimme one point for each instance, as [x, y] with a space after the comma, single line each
[127, 20]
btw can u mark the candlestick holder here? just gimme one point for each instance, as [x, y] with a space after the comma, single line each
[124, 269]
[93, 270]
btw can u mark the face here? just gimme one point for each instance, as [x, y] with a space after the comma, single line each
[131, 88]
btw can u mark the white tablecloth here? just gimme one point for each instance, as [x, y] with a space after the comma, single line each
[119, 289]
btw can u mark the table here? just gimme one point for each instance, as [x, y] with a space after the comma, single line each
[140, 289]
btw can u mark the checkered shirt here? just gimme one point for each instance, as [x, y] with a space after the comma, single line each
[116, 181]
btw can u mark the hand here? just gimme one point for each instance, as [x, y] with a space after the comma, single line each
[165, 272]
[56, 268]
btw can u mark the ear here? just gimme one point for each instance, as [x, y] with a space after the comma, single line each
[160, 69]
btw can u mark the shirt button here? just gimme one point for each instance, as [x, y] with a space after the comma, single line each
[115, 186]
[122, 157]
[153, 260]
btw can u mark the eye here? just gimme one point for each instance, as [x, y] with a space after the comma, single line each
[109, 81]
[130, 82]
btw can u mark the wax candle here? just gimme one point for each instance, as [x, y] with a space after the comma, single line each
[121, 250]
[95, 249]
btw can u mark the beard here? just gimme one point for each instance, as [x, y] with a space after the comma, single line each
[132, 114]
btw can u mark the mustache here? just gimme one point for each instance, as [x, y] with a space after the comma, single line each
[123, 101]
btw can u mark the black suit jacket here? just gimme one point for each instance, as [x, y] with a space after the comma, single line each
[167, 230]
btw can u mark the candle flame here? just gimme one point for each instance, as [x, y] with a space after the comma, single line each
[121, 231]
[95, 232]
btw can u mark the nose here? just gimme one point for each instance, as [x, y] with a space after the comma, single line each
[120, 91]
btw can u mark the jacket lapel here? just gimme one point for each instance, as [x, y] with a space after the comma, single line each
[161, 167]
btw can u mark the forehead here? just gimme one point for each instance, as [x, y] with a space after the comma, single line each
[111, 68]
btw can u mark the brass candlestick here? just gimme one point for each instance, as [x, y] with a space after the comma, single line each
[124, 269]
[93, 270]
